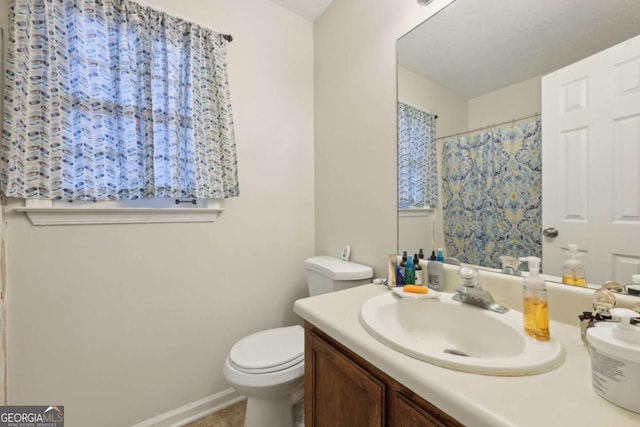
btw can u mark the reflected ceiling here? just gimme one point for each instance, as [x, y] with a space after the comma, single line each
[588, 26]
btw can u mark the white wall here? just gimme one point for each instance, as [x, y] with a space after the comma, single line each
[451, 108]
[120, 323]
[512, 102]
[355, 125]
[415, 231]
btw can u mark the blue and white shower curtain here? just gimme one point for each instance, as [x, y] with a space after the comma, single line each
[492, 194]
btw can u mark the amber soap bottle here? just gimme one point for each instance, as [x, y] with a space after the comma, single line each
[536, 306]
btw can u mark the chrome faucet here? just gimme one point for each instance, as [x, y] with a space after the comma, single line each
[470, 292]
[510, 265]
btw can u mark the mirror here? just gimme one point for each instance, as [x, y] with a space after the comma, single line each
[479, 68]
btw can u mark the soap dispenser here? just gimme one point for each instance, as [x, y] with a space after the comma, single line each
[573, 270]
[615, 360]
[536, 306]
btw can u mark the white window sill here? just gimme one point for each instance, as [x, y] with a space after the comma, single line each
[55, 215]
[414, 212]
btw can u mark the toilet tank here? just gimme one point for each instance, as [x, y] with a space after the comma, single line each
[329, 274]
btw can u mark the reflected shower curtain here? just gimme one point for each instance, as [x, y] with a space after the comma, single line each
[492, 194]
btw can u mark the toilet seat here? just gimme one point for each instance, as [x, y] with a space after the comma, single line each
[268, 351]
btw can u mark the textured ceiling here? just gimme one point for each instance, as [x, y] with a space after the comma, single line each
[474, 47]
[309, 9]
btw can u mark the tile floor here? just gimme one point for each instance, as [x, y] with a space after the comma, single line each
[233, 416]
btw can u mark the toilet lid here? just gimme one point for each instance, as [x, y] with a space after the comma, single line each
[269, 351]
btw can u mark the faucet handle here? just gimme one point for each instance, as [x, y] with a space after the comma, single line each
[510, 265]
[615, 287]
[469, 276]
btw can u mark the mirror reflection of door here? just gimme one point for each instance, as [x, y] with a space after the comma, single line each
[591, 156]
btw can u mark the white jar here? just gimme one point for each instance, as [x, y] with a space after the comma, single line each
[615, 361]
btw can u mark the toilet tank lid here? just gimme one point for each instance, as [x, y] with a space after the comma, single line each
[337, 269]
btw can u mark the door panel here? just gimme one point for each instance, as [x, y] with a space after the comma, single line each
[591, 158]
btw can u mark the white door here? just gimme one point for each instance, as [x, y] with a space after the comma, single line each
[591, 158]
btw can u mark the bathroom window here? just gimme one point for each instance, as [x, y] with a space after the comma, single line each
[115, 104]
[417, 161]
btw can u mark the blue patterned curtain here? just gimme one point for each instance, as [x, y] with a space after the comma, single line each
[492, 194]
[107, 99]
[417, 161]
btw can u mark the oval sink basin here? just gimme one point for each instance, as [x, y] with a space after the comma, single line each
[459, 336]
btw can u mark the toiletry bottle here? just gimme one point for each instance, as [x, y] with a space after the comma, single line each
[420, 254]
[435, 273]
[536, 307]
[403, 263]
[409, 273]
[418, 268]
[440, 255]
[392, 262]
[399, 277]
[573, 270]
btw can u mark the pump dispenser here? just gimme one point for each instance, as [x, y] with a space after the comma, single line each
[536, 306]
[573, 270]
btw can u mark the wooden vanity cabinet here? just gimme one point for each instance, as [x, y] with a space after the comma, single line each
[344, 390]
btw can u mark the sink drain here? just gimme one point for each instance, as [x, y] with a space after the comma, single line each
[456, 352]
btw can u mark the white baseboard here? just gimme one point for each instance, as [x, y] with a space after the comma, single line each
[194, 410]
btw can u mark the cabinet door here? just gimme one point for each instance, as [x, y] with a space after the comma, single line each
[407, 412]
[338, 392]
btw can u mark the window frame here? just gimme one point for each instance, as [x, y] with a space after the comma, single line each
[49, 212]
[154, 210]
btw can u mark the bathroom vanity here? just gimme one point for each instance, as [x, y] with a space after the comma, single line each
[343, 389]
[353, 379]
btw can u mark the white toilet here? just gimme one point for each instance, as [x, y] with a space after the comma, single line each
[268, 367]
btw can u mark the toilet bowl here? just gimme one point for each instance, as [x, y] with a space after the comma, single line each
[268, 366]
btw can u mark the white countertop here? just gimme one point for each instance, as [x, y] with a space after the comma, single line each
[562, 397]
